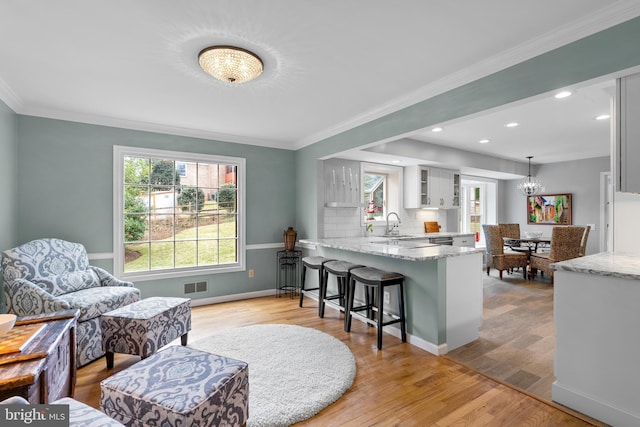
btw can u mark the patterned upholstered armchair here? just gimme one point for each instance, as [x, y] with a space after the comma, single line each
[49, 275]
[497, 256]
[566, 243]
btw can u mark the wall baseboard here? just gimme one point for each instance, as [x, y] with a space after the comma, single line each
[234, 297]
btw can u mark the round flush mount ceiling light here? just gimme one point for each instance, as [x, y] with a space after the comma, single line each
[230, 64]
[436, 129]
[484, 141]
[563, 94]
[512, 124]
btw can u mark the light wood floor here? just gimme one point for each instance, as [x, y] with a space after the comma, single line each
[400, 385]
[517, 340]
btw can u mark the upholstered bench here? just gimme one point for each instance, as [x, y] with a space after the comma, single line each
[143, 327]
[179, 386]
[80, 415]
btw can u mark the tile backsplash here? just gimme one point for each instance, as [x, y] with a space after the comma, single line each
[349, 222]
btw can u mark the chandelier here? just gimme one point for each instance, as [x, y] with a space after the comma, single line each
[230, 64]
[530, 186]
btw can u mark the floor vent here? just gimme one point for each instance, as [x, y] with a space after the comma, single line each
[201, 286]
[190, 288]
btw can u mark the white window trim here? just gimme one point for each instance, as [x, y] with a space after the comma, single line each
[119, 153]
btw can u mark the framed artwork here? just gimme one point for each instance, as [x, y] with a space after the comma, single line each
[551, 209]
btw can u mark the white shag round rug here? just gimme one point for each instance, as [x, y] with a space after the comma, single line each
[294, 372]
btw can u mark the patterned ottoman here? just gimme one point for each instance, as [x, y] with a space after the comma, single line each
[179, 386]
[143, 327]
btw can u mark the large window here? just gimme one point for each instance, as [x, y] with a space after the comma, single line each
[177, 213]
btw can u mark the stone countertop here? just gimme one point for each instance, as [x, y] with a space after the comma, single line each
[612, 264]
[404, 247]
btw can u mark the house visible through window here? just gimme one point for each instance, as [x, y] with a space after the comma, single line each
[382, 185]
[177, 213]
[374, 190]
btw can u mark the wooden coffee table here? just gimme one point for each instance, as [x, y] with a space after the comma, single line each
[45, 369]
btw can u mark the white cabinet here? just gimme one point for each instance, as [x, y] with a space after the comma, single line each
[466, 241]
[426, 187]
[628, 135]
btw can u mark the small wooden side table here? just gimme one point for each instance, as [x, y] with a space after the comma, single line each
[45, 370]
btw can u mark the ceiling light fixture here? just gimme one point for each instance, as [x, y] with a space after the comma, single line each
[230, 64]
[484, 141]
[563, 94]
[530, 186]
[512, 124]
[436, 129]
[603, 117]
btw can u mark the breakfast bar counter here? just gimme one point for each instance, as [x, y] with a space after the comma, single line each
[443, 284]
[597, 321]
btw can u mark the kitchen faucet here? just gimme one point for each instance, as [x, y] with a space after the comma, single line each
[393, 230]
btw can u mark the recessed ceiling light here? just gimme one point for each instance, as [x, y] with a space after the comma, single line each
[603, 117]
[563, 94]
[483, 141]
[436, 129]
[512, 124]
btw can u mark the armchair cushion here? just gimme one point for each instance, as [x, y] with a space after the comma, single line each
[96, 301]
[69, 282]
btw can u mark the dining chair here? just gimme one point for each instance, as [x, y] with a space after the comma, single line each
[512, 231]
[497, 256]
[565, 244]
[583, 244]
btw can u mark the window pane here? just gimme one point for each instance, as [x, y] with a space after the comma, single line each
[185, 227]
[228, 226]
[163, 173]
[190, 199]
[186, 254]
[136, 170]
[162, 254]
[227, 251]
[207, 252]
[136, 257]
[161, 227]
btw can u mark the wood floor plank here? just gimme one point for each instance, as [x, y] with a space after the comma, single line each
[400, 385]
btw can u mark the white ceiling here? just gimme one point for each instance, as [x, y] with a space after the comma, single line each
[329, 65]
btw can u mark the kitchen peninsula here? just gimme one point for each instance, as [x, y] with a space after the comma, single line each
[597, 319]
[443, 284]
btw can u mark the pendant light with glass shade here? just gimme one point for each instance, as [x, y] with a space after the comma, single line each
[530, 185]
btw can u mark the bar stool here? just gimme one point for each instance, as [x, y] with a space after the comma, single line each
[314, 263]
[375, 280]
[342, 271]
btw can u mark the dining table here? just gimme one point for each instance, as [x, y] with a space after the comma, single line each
[531, 242]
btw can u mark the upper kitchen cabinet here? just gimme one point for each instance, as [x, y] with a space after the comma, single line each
[627, 153]
[427, 187]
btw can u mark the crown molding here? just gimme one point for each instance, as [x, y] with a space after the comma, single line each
[610, 16]
[150, 127]
[9, 97]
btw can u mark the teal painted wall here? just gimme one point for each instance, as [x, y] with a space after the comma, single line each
[8, 171]
[603, 53]
[8, 190]
[65, 190]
